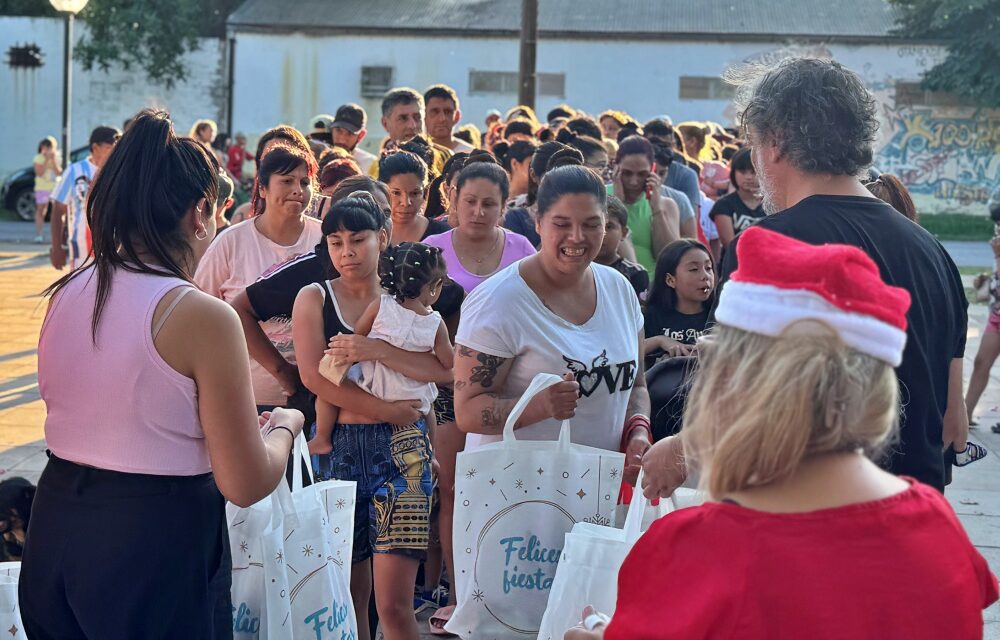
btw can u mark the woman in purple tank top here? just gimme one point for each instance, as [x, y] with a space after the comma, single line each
[151, 423]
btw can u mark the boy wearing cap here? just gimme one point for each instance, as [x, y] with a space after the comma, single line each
[69, 199]
[348, 130]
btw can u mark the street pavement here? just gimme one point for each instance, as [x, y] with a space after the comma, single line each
[25, 272]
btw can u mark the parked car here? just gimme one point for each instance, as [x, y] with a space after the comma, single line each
[18, 191]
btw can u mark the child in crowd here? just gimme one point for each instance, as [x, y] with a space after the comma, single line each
[743, 207]
[413, 274]
[616, 230]
[681, 296]
[236, 156]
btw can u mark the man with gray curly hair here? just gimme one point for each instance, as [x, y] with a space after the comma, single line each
[811, 124]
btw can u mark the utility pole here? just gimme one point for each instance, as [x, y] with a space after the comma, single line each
[529, 45]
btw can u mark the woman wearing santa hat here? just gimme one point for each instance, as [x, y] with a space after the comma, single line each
[803, 535]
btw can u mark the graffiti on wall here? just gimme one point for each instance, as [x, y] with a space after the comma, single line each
[948, 158]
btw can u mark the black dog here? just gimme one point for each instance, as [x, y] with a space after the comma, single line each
[16, 495]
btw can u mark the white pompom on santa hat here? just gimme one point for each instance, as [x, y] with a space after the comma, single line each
[781, 281]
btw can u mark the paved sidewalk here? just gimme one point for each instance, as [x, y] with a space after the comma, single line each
[24, 272]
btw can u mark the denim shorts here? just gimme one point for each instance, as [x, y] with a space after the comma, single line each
[392, 466]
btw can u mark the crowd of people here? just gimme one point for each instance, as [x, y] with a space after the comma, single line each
[394, 307]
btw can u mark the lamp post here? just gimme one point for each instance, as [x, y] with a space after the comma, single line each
[68, 8]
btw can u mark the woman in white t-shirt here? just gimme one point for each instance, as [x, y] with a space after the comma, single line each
[247, 250]
[557, 312]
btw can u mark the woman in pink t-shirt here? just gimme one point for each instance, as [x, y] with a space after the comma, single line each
[474, 250]
[247, 250]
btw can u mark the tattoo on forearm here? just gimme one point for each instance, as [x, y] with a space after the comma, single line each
[486, 370]
[465, 352]
[493, 419]
[460, 384]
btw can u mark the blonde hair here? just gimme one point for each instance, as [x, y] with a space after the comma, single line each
[620, 117]
[760, 405]
[201, 124]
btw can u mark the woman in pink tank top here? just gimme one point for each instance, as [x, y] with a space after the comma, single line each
[151, 422]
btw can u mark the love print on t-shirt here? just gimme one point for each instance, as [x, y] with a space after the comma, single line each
[601, 370]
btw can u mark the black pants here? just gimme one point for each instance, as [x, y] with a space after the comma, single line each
[114, 555]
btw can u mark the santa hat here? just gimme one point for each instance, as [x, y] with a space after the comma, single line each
[781, 280]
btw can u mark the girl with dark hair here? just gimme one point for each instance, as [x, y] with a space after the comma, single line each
[738, 210]
[516, 161]
[522, 219]
[653, 219]
[519, 129]
[281, 231]
[584, 126]
[595, 154]
[142, 484]
[573, 317]
[368, 427]
[413, 275]
[679, 300]
[439, 205]
[406, 176]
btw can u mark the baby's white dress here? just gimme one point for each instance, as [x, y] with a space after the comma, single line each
[405, 330]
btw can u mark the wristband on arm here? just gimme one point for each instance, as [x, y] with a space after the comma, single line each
[637, 421]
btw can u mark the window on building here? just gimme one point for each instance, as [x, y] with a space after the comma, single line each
[706, 88]
[506, 82]
[375, 81]
[912, 94]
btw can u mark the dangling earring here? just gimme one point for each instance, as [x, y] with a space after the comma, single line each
[202, 237]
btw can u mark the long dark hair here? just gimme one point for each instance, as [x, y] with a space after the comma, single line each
[540, 164]
[138, 200]
[662, 296]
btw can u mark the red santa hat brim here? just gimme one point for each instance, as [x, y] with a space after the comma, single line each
[781, 281]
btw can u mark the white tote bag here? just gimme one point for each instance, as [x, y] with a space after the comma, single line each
[10, 615]
[588, 569]
[514, 503]
[320, 520]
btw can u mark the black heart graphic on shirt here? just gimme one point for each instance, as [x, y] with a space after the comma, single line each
[588, 382]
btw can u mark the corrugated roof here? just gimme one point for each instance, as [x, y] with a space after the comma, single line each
[640, 18]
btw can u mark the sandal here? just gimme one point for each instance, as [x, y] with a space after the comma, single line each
[439, 619]
[971, 453]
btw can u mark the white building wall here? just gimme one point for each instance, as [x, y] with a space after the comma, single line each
[31, 99]
[292, 77]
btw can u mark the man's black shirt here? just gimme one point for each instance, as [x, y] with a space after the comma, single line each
[909, 257]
